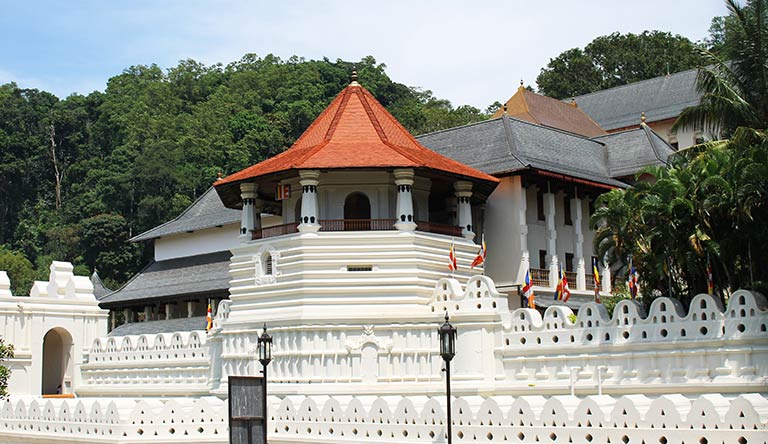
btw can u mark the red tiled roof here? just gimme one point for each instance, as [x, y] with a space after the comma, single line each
[543, 110]
[355, 131]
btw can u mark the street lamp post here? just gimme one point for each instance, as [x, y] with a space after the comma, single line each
[265, 357]
[447, 334]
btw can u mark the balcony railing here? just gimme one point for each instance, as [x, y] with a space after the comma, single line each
[590, 281]
[277, 230]
[356, 225]
[433, 227]
[571, 279]
[539, 277]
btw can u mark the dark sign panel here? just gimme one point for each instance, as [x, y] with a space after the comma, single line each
[246, 410]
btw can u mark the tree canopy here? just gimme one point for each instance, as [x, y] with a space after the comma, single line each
[614, 60]
[81, 175]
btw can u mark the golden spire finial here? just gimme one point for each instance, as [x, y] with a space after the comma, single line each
[354, 75]
[218, 175]
[642, 118]
[505, 109]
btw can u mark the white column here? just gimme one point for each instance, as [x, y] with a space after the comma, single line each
[127, 315]
[147, 313]
[190, 309]
[251, 216]
[605, 279]
[520, 196]
[578, 243]
[168, 308]
[463, 192]
[405, 217]
[310, 223]
[549, 218]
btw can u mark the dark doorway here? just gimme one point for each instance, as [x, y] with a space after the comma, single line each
[357, 212]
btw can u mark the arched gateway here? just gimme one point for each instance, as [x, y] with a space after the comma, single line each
[57, 362]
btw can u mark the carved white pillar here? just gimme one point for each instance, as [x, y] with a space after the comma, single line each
[522, 223]
[405, 217]
[190, 309]
[578, 243]
[581, 275]
[147, 313]
[168, 308]
[463, 192]
[605, 279]
[310, 222]
[251, 216]
[127, 315]
[549, 219]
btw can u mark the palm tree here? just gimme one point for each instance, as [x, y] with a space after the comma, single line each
[734, 93]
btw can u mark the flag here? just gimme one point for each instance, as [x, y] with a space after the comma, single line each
[710, 278]
[209, 318]
[566, 291]
[528, 290]
[452, 259]
[632, 280]
[596, 277]
[480, 258]
[559, 288]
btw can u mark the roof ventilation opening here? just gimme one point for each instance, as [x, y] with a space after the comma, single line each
[359, 267]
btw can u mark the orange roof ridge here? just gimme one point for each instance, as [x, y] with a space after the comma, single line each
[355, 131]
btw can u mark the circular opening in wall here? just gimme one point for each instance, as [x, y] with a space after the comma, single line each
[522, 341]
[589, 336]
[663, 332]
[625, 335]
[740, 328]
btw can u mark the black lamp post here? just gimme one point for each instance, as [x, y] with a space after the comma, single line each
[447, 334]
[265, 357]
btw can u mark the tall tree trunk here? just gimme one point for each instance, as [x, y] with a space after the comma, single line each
[57, 173]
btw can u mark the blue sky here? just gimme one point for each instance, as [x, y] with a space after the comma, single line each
[466, 52]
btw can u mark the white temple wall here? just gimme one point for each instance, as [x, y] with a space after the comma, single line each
[505, 215]
[65, 304]
[209, 240]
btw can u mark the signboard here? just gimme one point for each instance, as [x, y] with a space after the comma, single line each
[246, 410]
[283, 192]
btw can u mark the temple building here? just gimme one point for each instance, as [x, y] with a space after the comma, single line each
[336, 253]
[660, 100]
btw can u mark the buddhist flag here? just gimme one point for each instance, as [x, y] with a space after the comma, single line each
[528, 290]
[452, 259]
[566, 291]
[596, 277]
[480, 258]
[559, 288]
[209, 318]
[632, 279]
[710, 278]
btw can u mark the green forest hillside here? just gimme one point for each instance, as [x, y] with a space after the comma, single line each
[80, 176]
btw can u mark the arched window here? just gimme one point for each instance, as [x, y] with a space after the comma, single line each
[357, 212]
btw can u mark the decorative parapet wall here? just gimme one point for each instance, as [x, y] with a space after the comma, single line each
[89, 420]
[164, 363]
[672, 419]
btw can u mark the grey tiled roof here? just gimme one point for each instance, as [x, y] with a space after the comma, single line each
[172, 278]
[629, 151]
[660, 98]
[99, 290]
[163, 326]
[206, 212]
[506, 145]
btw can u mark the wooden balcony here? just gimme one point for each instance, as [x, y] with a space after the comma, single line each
[356, 225]
[571, 279]
[539, 277]
[590, 281]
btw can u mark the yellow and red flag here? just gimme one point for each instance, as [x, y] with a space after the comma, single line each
[209, 318]
[452, 265]
[480, 258]
[596, 277]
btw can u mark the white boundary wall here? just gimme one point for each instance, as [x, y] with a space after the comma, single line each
[665, 376]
